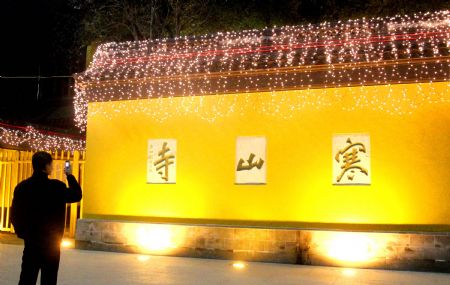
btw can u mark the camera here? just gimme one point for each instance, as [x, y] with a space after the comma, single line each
[67, 167]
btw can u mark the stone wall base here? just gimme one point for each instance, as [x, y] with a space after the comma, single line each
[396, 251]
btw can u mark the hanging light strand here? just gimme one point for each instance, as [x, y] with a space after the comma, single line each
[357, 52]
[34, 139]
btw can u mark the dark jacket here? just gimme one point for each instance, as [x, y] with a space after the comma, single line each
[39, 206]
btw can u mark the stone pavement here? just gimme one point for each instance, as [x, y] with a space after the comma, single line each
[80, 267]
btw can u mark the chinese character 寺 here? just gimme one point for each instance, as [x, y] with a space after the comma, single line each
[350, 159]
[164, 161]
[251, 164]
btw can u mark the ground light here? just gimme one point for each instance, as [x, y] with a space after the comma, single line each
[239, 265]
[154, 238]
[66, 243]
[350, 247]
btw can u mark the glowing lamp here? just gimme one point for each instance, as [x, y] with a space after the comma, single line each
[66, 243]
[350, 247]
[154, 239]
[239, 265]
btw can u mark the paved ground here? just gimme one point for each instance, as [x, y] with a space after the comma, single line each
[106, 268]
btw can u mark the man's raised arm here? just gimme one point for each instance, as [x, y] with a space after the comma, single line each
[73, 193]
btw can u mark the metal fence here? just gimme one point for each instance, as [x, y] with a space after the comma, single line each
[15, 166]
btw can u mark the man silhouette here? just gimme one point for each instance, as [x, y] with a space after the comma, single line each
[38, 215]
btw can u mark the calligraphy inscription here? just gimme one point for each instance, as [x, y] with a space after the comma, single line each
[351, 159]
[250, 164]
[164, 161]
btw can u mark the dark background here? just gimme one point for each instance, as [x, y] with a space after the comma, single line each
[34, 45]
[46, 40]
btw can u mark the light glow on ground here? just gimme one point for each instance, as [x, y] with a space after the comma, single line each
[350, 247]
[65, 243]
[143, 258]
[154, 238]
[349, 272]
[239, 265]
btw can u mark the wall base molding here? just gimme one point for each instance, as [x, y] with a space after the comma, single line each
[395, 251]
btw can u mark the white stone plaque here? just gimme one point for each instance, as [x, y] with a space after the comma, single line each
[162, 161]
[251, 164]
[351, 159]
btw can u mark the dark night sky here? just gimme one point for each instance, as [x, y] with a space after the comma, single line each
[30, 46]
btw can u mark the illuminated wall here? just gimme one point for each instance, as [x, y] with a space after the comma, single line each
[410, 160]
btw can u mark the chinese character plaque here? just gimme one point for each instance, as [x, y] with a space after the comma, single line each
[251, 165]
[161, 161]
[351, 159]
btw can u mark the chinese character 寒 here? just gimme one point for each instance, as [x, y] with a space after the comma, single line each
[350, 159]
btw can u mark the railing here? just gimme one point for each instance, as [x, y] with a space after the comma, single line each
[15, 166]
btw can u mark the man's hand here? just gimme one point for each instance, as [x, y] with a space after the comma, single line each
[68, 170]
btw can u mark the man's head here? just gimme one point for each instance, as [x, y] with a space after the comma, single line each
[42, 162]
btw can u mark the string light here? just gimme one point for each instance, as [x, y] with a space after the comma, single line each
[34, 139]
[353, 53]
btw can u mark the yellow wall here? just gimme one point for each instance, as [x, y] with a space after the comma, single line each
[410, 157]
